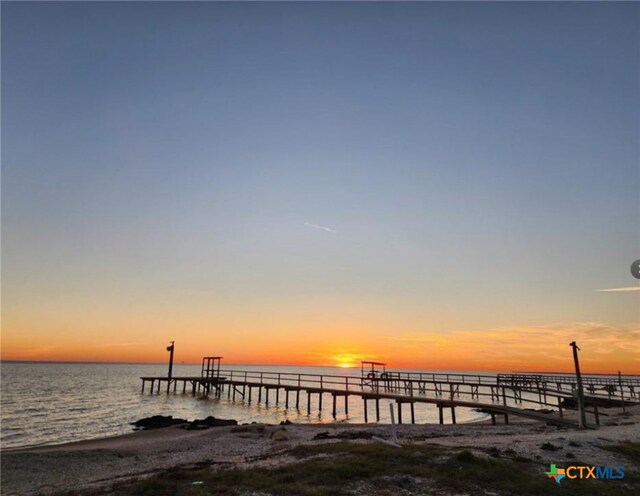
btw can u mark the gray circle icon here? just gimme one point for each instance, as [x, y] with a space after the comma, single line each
[635, 269]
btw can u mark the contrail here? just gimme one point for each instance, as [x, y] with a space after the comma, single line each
[318, 226]
[619, 290]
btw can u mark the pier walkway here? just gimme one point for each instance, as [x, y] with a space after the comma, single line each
[533, 396]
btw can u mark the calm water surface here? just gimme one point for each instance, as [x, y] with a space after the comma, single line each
[51, 403]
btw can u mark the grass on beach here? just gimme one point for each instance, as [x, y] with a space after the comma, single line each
[336, 469]
[629, 449]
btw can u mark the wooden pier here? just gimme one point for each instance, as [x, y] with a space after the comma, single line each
[500, 396]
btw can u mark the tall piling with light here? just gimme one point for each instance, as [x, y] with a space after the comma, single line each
[170, 350]
[582, 421]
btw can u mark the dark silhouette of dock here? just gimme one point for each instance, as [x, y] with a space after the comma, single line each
[501, 396]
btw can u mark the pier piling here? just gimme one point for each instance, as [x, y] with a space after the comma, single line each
[496, 395]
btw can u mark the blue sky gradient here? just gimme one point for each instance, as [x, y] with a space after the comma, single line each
[477, 162]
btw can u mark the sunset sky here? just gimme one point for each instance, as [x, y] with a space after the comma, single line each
[433, 185]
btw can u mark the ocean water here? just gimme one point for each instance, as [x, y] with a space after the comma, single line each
[51, 403]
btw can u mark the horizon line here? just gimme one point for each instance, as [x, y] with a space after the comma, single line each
[88, 362]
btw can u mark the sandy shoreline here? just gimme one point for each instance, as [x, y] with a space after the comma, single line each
[96, 464]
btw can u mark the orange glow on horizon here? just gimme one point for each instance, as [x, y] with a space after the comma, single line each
[545, 348]
[440, 357]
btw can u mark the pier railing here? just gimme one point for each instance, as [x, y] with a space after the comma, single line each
[496, 388]
[626, 380]
[502, 394]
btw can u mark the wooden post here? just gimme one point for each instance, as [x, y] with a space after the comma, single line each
[320, 401]
[399, 412]
[334, 406]
[286, 398]
[453, 414]
[298, 399]
[621, 391]
[394, 434]
[377, 409]
[440, 414]
[413, 413]
[143, 383]
[170, 350]
[583, 418]
[366, 416]
[308, 402]
[560, 406]
[595, 412]
[346, 404]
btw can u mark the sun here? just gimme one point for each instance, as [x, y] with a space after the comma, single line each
[345, 360]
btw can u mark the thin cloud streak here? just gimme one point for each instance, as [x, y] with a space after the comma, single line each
[318, 226]
[619, 290]
[129, 343]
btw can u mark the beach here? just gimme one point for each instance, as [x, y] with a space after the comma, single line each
[115, 465]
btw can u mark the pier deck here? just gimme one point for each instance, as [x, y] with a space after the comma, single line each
[503, 395]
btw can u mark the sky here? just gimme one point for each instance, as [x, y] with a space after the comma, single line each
[433, 185]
